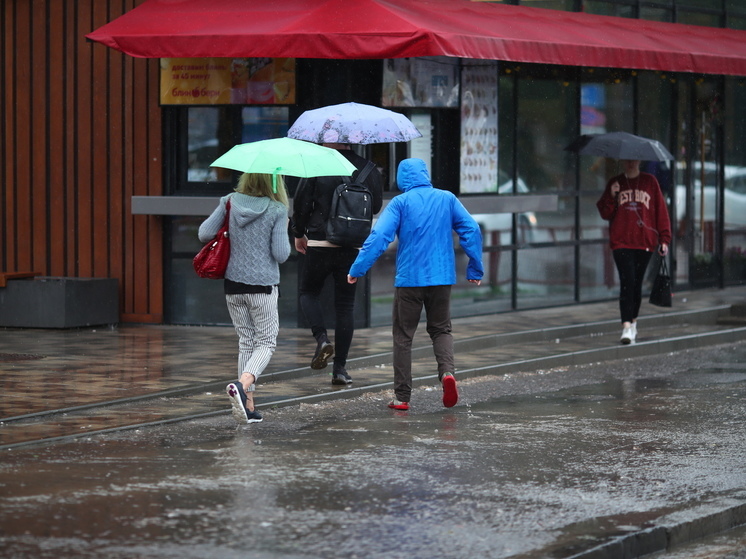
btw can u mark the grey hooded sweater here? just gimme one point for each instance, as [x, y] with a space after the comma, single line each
[258, 234]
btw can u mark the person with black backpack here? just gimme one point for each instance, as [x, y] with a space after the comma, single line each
[331, 220]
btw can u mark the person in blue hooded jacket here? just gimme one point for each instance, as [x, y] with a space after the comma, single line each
[423, 218]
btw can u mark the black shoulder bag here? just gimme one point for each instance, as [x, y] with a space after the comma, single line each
[660, 295]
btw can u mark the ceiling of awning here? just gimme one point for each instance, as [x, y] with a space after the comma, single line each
[374, 29]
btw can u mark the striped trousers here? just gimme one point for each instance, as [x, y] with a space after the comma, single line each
[257, 324]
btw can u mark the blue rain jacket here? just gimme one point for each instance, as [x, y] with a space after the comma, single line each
[423, 218]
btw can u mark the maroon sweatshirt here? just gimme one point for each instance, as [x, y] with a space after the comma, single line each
[637, 216]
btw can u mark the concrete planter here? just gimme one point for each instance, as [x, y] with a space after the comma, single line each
[55, 302]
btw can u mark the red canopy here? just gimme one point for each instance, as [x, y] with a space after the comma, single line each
[346, 29]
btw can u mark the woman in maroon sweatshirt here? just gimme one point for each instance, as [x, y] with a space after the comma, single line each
[635, 208]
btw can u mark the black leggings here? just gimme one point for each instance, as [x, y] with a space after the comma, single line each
[631, 265]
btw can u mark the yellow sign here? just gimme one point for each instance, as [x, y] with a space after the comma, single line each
[195, 81]
[223, 81]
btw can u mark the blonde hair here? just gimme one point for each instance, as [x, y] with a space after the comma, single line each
[260, 184]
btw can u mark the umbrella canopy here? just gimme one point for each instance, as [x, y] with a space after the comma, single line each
[353, 123]
[620, 145]
[285, 156]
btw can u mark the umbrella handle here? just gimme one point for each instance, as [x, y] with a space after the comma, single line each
[274, 179]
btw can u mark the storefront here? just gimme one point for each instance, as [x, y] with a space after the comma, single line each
[497, 104]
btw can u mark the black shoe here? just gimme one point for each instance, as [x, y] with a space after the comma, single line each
[323, 352]
[253, 416]
[340, 377]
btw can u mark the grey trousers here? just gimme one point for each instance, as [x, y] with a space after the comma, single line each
[408, 303]
[256, 321]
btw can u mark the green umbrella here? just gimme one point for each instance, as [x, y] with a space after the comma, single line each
[285, 156]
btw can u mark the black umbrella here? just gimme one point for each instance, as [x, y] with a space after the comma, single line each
[620, 145]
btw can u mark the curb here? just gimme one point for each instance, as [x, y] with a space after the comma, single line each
[669, 536]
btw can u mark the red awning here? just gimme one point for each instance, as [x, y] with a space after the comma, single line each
[345, 29]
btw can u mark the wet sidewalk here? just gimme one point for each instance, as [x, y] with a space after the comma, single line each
[564, 443]
[58, 384]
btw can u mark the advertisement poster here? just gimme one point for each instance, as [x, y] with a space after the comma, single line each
[479, 170]
[420, 82]
[225, 81]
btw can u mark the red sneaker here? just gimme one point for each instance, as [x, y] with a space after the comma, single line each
[397, 405]
[450, 392]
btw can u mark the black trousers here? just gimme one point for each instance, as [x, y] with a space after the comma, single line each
[320, 263]
[631, 265]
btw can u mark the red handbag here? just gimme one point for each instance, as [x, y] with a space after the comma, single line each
[212, 260]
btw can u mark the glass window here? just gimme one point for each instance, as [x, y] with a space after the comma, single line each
[191, 299]
[422, 148]
[547, 122]
[506, 116]
[494, 295]
[608, 9]
[708, 4]
[734, 197]
[428, 90]
[431, 81]
[656, 14]
[698, 190]
[654, 107]
[607, 105]
[211, 131]
[546, 276]
[263, 123]
[698, 18]
[194, 300]
[209, 134]
[566, 5]
[598, 278]
[737, 22]
[591, 224]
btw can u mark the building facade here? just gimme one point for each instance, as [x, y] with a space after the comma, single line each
[92, 134]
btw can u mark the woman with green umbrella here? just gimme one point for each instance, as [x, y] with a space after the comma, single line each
[259, 244]
[258, 228]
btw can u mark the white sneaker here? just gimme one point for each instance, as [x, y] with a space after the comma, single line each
[628, 335]
[634, 332]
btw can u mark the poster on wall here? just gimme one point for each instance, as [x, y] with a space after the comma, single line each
[420, 82]
[479, 169]
[225, 81]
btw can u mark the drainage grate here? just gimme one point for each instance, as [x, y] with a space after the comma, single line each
[6, 357]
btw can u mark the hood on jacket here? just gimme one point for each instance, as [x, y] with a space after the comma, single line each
[245, 208]
[411, 174]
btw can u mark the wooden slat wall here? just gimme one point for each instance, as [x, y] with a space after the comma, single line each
[81, 135]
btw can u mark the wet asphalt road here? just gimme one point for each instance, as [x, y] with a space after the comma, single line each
[540, 464]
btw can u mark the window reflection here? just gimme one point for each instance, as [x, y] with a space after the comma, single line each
[211, 131]
[205, 137]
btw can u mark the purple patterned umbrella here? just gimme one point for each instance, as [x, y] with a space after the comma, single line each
[353, 123]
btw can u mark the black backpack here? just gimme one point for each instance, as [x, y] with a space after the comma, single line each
[351, 211]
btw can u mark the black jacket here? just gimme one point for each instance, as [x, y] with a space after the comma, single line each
[313, 198]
